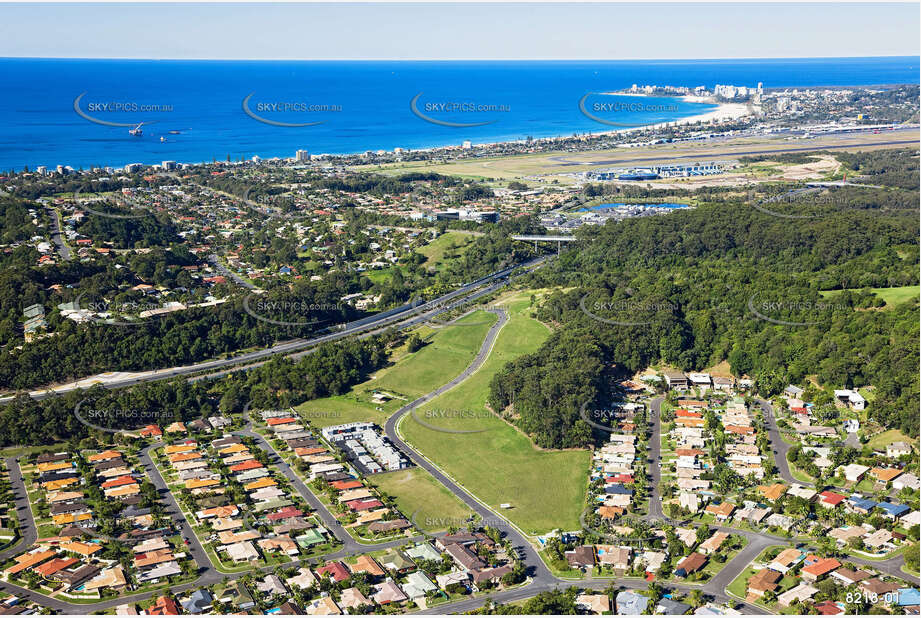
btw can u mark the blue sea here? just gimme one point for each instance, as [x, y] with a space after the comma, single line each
[80, 112]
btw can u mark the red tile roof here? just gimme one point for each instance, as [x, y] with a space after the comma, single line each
[343, 485]
[822, 567]
[249, 464]
[165, 606]
[831, 497]
[364, 505]
[336, 570]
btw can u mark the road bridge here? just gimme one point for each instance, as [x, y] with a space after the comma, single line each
[559, 239]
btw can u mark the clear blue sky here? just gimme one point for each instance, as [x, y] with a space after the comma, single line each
[458, 31]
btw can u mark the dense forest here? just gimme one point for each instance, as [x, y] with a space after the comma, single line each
[726, 281]
[15, 221]
[129, 228]
[330, 370]
[295, 309]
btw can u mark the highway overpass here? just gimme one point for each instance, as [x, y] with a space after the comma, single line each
[559, 239]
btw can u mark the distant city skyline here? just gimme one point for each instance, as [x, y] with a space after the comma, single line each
[459, 31]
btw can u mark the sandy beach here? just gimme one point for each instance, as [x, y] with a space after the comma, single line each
[724, 111]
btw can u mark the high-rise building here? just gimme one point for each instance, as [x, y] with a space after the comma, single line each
[302, 156]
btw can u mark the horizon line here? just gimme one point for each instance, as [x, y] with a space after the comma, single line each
[377, 59]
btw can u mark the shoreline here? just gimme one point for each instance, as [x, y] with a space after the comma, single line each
[724, 111]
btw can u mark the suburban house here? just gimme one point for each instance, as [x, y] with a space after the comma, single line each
[676, 380]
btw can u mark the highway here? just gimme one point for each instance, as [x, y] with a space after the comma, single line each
[540, 579]
[401, 316]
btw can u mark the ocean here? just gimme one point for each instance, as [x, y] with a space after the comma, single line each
[80, 112]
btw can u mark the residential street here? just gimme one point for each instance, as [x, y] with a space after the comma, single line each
[540, 577]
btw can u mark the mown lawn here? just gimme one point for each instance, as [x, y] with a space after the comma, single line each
[447, 353]
[418, 495]
[499, 464]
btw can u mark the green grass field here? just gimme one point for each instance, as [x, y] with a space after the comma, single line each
[448, 352]
[382, 275]
[891, 296]
[420, 496]
[499, 464]
[882, 440]
[448, 246]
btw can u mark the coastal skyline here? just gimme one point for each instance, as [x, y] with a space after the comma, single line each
[197, 116]
[458, 31]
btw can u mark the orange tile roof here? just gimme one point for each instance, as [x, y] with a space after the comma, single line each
[367, 564]
[84, 549]
[220, 511]
[281, 421]
[54, 465]
[53, 566]
[59, 483]
[249, 464]
[198, 483]
[610, 512]
[153, 557]
[821, 567]
[25, 561]
[886, 474]
[125, 479]
[773, 492]
[124, 490]
[180, 457]
[233, 448]
[725, 509]
[70, 518]
[180, 448]
[739, 429]
[261, 483]
[104, 456]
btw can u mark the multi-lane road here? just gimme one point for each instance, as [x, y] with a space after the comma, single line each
[540, 578]
[406, 316]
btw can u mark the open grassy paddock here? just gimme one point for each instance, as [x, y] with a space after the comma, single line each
[498, 464]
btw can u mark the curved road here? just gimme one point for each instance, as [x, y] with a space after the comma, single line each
[540, 577]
